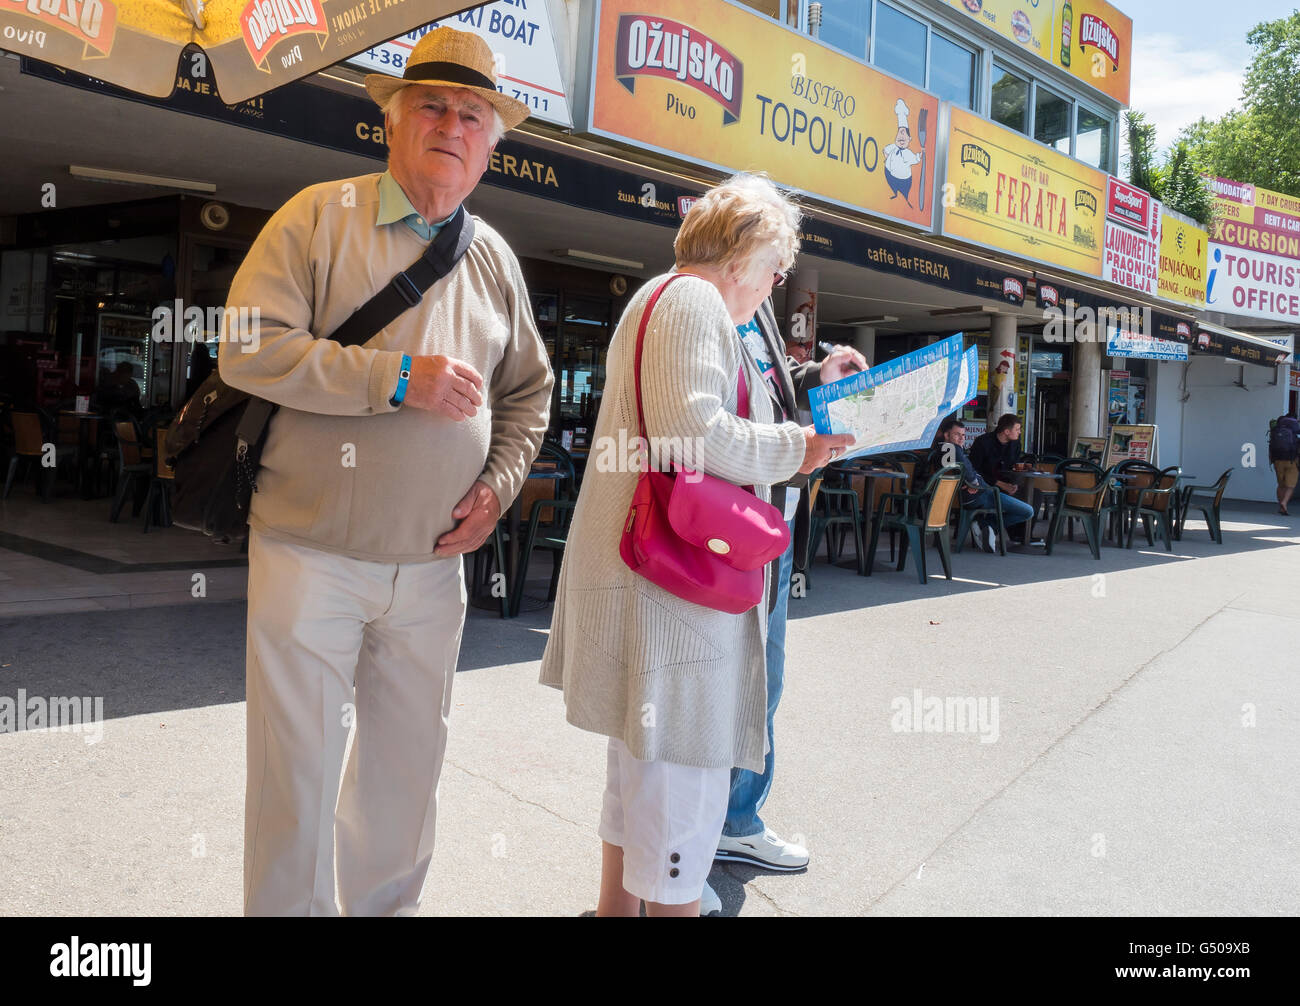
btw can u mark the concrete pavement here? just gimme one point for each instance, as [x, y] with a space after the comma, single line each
[1135, 752]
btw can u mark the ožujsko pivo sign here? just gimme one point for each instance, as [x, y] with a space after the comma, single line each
[1005, 191]
[710, 82]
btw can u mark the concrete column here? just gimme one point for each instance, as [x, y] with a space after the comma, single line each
[801, 306]
[1085, 391]
[864, 341]
[1002, 366]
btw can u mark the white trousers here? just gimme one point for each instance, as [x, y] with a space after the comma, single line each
[333, 641]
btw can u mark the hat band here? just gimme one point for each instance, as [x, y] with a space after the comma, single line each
[451, 73]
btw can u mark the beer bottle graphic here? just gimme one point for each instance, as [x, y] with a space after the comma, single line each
[1067, 23]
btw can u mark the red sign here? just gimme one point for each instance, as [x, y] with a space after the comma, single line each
[91, 22]
[660, 47]
[266, 22]
[1097, 33]
[1128, 205]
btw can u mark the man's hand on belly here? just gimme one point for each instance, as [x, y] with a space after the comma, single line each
[444, 385]
[478, 513]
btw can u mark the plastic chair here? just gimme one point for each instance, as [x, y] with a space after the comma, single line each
[1084, 494]
[918, 515]
[1146, 498]
[549, 519]
[836, 508]
[1208, 505]
[29, 449]
[134, 467]
[164, 477]
[967, 520]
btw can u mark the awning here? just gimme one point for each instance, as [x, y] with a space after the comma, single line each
[1115, 306]
[1215, 340]
[253, 45]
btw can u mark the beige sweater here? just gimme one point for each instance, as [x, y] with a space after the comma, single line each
[343, 470]
[673, 680]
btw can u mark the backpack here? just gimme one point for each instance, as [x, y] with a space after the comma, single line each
[215, 445]
[1282, 445]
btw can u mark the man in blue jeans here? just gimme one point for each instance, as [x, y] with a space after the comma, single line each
[745, 838]
[976, 491]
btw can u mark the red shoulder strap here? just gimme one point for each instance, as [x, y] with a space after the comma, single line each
[742, 386]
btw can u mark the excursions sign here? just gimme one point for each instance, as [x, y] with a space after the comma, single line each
[707, 81]
[1254, 261]
[1008, 192]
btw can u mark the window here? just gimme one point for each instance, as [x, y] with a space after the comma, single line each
[900, 44]
[1010, 105]
[846, 24]
[1092, 142]
[952, 71]
[1051, 119]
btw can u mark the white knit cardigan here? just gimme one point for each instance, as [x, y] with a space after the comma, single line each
[673, 680]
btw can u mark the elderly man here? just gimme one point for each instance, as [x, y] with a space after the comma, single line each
[384, 464]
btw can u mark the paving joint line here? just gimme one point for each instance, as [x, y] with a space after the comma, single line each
[1051, 747]
[513, 795]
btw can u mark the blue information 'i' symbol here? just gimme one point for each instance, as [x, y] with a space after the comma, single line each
[1209, 287]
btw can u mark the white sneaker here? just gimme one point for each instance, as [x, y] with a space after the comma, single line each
[767, 850]
[989, 540]
[710, 903]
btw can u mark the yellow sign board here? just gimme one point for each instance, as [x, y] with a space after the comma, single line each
[1028, 23]
[1182, 260]
[1005, 191]
[1088, 39]
[708, 81]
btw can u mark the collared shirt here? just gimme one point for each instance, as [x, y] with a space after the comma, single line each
[394, 206]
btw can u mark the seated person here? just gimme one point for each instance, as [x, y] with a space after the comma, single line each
[995, 454]
[975, 490]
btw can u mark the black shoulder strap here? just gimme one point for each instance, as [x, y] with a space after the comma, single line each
[409, 286]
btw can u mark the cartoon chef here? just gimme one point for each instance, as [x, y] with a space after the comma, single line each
[899, 158]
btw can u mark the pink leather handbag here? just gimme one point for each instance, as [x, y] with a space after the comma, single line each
[697, 536]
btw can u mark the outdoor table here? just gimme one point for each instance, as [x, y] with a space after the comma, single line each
[1021, 477]
[868, 495]
[86, 451]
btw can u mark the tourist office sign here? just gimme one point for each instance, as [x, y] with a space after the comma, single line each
[709, 82]
[1253, 266]
[1089, 39]
[1007, 192]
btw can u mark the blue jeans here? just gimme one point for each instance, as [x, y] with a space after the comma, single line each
[1014, 511]
[749, 789]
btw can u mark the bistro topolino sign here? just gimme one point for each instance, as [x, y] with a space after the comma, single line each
[706, 81]
[1005, 191]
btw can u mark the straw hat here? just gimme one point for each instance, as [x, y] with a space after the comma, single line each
[446, 57]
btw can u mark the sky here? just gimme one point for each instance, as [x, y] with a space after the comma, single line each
[1189, 56]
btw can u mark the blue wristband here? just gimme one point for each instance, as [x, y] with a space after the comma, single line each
[402, 378]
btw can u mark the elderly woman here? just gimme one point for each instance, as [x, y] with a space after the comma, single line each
[678, 688]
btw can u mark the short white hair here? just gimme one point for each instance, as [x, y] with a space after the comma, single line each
[393, 107]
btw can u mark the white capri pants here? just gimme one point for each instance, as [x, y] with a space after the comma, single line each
[667, 818]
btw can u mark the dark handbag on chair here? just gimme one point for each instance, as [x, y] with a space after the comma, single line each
[215, 444]
[696, 536]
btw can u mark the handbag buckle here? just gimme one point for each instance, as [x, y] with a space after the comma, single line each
[717, 546]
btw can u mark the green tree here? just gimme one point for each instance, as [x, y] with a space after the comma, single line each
[1260, 143]
[1176, 181]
